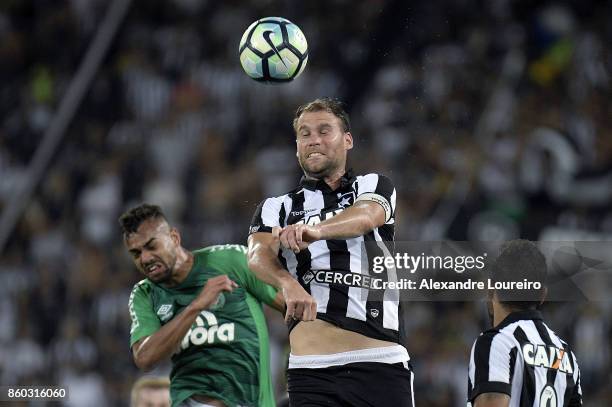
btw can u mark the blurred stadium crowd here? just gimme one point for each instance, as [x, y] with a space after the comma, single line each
[493, 118]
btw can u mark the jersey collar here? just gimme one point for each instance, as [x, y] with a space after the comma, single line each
[516, 316]
[313, 184]
[190, 279]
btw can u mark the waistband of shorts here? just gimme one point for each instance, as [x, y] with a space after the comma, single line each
[386, 354]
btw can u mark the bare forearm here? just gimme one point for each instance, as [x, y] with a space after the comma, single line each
[266, 266]
[352, 222]
[163, 343]
[263, 261]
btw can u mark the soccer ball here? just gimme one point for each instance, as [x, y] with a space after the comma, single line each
[273, 49]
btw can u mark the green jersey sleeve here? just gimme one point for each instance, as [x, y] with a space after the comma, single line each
[232, 260]
[144, 320]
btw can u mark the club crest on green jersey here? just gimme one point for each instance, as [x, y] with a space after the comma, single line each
[219, 303]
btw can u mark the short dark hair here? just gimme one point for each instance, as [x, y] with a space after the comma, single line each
[131, 220]
[333, 106]
[519, 260]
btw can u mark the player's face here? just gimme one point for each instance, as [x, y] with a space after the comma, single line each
[154, 398]
[322, 144]
[154, 249]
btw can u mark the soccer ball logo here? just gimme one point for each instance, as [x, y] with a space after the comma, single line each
[273, 49]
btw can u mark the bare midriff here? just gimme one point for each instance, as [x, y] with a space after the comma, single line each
[322, 338]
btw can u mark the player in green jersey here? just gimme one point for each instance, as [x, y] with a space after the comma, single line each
[202, 309]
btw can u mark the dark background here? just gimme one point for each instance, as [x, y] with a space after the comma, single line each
[493, 119]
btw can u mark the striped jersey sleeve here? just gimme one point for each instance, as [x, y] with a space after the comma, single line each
[573, 393]
[492, 364]
[377, 188]
[268, 214]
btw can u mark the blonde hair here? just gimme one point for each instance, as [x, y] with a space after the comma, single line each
[148, 382]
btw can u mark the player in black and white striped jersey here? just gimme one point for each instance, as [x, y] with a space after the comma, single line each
[345, 344]
[521, 362]
[325, 262]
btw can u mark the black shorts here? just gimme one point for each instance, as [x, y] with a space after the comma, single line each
[355, 384]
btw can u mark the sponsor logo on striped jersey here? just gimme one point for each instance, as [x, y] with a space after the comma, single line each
[547, 356]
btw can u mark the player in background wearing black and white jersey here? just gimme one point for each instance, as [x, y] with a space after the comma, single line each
[344, 344]
[521, 362]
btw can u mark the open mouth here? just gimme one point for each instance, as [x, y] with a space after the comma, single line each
[315, 154]
[154, 268]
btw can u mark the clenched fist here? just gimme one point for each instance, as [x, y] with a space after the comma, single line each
[211, 291]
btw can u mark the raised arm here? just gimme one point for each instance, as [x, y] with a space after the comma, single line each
[160, 345]
[357, 220]
[373, 207]
[263, 261]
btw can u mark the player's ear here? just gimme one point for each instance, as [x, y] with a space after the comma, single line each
[348, 140]
[175, 236]
[543, 296]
